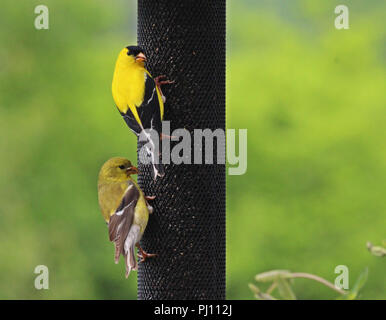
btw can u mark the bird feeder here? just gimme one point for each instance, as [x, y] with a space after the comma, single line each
[185, 40]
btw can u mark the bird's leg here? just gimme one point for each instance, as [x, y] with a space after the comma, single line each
[159, 83]
[149, 207]
[175, 138]
[165, 136]
[143, 255]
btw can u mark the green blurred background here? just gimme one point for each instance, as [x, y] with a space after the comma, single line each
[313, 101]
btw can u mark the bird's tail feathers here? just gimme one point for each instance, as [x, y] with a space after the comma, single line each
[147, 152]
[158, 170]
[131, 262]
[118, 252]
[115, 234]
[129, 249]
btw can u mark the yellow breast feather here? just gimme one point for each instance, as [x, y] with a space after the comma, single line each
[128, 87]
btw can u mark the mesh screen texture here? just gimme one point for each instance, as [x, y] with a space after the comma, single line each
[185, 40]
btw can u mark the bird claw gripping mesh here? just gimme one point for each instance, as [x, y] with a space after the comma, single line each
[185, 40]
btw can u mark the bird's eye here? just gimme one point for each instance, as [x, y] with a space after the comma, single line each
[122, 167]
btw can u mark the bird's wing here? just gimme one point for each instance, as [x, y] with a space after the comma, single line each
[121, 221]
[149, 114]
[131, 121]
[151, 110]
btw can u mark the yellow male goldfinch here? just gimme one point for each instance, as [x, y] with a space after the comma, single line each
[125, 209]
[139, 98]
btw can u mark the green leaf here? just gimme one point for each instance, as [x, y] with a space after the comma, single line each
[285, 289]
[353, 294]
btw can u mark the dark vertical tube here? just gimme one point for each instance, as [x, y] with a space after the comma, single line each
[185, 40]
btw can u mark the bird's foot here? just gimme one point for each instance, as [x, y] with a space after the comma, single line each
[149, 207]
[165, 136]
[143, 255]
[159, 82]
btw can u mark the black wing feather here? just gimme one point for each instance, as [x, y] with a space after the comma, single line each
[149, 111]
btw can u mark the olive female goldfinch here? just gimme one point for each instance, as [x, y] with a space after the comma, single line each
[139, 98]
[125, 209]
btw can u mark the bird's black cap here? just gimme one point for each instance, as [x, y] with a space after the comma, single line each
[134, 50]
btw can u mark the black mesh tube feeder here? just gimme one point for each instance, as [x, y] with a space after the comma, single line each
[185, 40]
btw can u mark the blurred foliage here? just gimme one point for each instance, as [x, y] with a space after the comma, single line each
[312, 98]
[377, 251]
[282, 280]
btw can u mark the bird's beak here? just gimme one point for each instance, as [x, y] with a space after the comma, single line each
[132, 170]
[140, 57]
